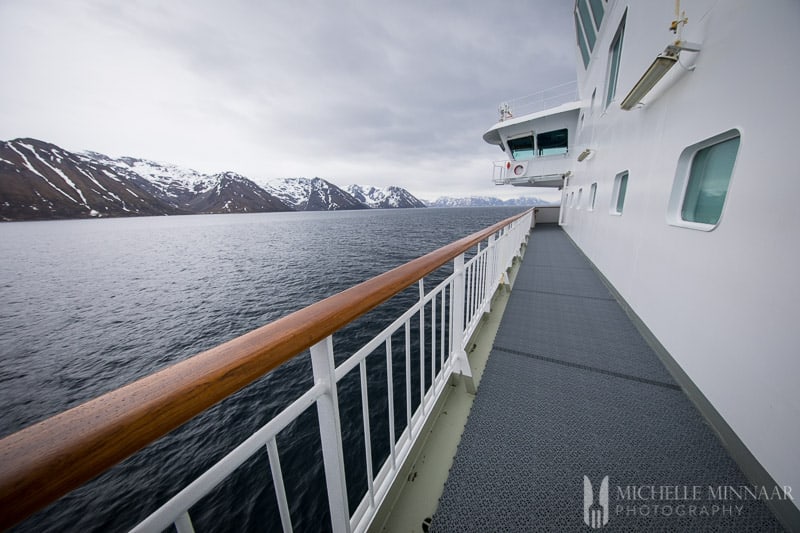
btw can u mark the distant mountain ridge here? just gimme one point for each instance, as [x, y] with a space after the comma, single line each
[488, 201]
[39, 180]
[385, 198]
[313, 194]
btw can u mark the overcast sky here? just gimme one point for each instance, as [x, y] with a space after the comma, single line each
[367, 92]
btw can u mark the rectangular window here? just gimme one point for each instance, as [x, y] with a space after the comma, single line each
[709, 176]
[620, 188]
[583, 11]
[613, 64]
[552, 142]
[592, 196]
[521, 147]
[581, 42]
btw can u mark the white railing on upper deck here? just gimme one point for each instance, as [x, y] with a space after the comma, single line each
[539, 101]
[454, 307]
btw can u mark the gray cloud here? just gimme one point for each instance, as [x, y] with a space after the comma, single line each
[372, 92]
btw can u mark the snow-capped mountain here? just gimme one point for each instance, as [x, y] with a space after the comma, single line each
[177, 185]
[486, 201]
[385, 198]
[233, 193]
[40, 180]
[313, 194]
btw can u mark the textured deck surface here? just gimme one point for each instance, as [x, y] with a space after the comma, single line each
[571, 390]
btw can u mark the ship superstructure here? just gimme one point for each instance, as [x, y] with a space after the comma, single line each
[678, 184]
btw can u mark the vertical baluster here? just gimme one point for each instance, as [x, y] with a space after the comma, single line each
[408, 377]
[460, 361]
[330, 433]
[443, 331]
[468, 303]
[183, 524]
[474, 277]
[474, 306]
[433, 342]
[450, 347]
[491, 267]
[367, 439]
[479, 274]
[486, 294]
[390, 392]
[277, 480]
[478, 296]
[421, 346]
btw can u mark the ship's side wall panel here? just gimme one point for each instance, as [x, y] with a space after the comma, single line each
[724, 303]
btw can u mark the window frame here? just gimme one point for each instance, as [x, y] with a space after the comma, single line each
[615, 208]
[538, 149]
[585, 16]
[598, 11]
[534, 136]
[582, 45]
[683, 176]
[614, 59]
[510, 140]
[593, 196]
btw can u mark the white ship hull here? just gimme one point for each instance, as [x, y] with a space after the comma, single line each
[720, 299]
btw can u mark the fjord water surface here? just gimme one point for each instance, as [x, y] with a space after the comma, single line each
[91, 305]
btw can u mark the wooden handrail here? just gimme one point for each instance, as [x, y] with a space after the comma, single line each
[45, 461]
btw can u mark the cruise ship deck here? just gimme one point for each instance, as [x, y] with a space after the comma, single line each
[571, 389]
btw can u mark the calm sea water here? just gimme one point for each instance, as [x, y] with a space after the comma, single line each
[90, 305]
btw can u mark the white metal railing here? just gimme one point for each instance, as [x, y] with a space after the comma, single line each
[456, 306]
[539, 101]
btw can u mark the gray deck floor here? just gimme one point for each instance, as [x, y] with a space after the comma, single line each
[571, 390]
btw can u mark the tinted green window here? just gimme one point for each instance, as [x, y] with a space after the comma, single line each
[622, 188]
[597, 12]
[552, 142]
[521, 148]
[613, 71]
[583, 11]
[709, 177]
[581, 42]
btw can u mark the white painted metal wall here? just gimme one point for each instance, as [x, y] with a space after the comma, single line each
[724, 303]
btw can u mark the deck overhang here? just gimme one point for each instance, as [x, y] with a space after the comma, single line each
[537, 145]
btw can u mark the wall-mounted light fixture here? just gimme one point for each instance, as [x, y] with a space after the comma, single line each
[660, 66]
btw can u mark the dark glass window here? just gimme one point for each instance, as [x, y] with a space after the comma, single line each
[622, 188]
[613, 71]
[583, 11]
[709, 177]
[552, 142]
[581, 42]
[597, 12]
[521, 148]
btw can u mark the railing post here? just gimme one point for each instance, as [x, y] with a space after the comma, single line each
[460, 361]
[491, 270]
[331, 434]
